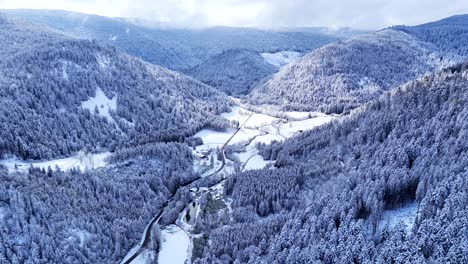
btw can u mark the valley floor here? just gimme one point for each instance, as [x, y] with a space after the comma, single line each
[255, 127]
[249, 128]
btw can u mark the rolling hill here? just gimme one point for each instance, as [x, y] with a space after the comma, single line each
[368, 187]
[62, 94]
[176, 49]
[344, 75]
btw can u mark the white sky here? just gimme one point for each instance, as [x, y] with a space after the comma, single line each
[366, 14]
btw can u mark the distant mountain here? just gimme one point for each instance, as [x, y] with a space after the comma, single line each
[60, 94]
[343, 75]
[234, 72]
[176, 49]
[448, 35]
[364, 189]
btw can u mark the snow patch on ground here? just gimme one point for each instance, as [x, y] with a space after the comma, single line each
[64, 71]
[103, 103]
[290, 129]
[279, 59]
[218, 138]
[256, 162]
[174, 246]
[3, 212]
[264, 126]
[260, 120]
[237, 113]
[81, 160]
[103, 61]
[82, 236]
[405, 215]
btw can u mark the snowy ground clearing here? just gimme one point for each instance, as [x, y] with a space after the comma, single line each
[262, 127]
[81, 235]
[292, 128]
[279, 59]
[102, 103]
[256, 162]
[405, 215]
[174, 246]
[81, 160]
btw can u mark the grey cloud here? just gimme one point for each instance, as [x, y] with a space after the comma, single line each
[367, 14]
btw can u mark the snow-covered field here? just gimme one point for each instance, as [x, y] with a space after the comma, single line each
[261, 127]
[215, 138]
[102, 103]
[292, 128]
[174, 246]
[256, 162]
[405, 215]
[279, 59]
[81, 235]
[81, 160]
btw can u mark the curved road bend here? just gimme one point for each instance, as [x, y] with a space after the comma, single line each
[147, 232]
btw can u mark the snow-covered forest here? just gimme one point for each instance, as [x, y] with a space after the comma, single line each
[343, 75]
[45, 90]
[123, 142]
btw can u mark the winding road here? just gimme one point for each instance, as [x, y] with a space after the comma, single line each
[147, 232]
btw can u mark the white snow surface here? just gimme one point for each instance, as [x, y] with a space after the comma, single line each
[405, 215]
[290, 129]
[279, 59]
[264, 126]
[3, 212]
[256, 162]
[80, 160]
[174, 247]
[103, 103]
[82, 235]
[216, 138]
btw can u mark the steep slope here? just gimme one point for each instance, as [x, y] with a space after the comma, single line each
[333, 186]
[343, 75]
[91, 217]
[234, 72]
[176, 49]
[62, 94]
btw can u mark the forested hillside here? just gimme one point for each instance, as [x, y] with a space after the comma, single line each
[234, 72]
[343, 75]
[449, 35]
[338, 191]
[59, 95]
[88, 217]
[176, 49]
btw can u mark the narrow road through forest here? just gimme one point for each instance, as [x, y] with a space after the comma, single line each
[147, 232]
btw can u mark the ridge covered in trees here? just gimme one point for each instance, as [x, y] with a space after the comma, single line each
[344, 75]
[325, 200]
[43, 87]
